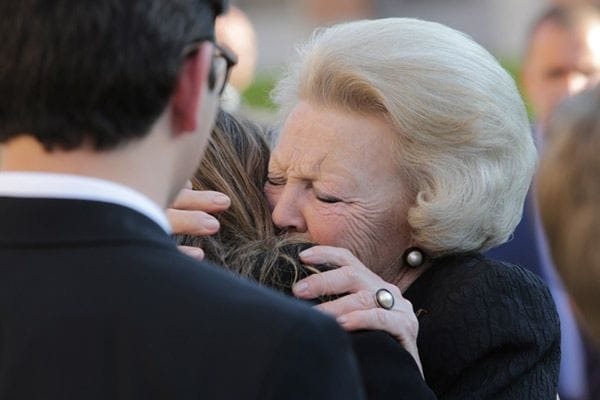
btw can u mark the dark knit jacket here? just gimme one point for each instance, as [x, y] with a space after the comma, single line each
[487, 330]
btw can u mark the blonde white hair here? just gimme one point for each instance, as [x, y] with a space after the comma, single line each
[464, 142]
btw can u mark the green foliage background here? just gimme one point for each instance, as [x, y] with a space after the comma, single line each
[257, 95]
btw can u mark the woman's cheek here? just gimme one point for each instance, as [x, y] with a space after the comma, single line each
[272, 195]
[361, 230]
[347, 228]
[362, 236]
[326, 224]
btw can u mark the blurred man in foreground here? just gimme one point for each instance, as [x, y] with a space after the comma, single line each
[105, 111]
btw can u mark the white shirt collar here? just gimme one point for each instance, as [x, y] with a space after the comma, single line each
[63, 186]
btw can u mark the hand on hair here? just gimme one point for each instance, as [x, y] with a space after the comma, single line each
[358, 309]
[190, 214]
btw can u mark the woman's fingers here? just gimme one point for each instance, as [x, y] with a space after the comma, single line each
[359, 308]
[194, 252]
[351, 276]
[201, 200]
[189, 213]
[194, 223]
[362, 300]
[401, 323]
[336, 281]
[329, 255]
[360, 311]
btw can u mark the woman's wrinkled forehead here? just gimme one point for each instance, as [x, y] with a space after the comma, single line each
[316, 141]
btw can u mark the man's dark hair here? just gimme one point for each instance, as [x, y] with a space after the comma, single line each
[98, 72]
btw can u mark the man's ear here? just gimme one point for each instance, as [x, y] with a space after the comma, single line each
[189, 94]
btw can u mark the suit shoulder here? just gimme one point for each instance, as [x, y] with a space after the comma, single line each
[313, 360]
[207, 289]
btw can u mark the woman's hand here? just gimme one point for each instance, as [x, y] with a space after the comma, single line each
[358, 309]
[189, 215]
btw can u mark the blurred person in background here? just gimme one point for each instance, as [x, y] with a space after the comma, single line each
[575, 2]
[235, 31]
[569, 201]
[105, 111]
[562, 59]
[326, 12]
[569, 198]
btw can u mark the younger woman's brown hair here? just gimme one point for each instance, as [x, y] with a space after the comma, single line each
[236, 163]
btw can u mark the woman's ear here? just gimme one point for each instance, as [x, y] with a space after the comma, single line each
[189, 95]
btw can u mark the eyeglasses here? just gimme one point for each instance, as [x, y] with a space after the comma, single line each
[222, 63]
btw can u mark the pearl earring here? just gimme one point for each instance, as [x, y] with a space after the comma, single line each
[413, 257]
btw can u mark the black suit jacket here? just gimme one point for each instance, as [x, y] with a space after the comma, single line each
[96, 302]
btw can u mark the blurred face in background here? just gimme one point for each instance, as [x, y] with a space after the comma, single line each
[235, 30]
[560, 63]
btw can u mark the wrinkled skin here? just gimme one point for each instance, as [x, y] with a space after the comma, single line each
[333, 181]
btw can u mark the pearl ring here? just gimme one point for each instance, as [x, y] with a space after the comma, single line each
[384, 299]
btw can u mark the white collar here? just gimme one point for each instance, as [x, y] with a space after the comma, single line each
[63, 186]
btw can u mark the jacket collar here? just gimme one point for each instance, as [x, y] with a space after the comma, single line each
[49, 222]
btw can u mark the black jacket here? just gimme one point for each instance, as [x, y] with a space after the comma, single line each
[96, 302]
[388, 371]
[487, 330]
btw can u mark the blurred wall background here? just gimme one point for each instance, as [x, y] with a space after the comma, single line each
[499, 25]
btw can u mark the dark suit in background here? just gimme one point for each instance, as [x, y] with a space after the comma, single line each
[522, 247]
[96, 302]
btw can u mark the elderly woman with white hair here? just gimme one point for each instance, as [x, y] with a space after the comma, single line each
[405, 151]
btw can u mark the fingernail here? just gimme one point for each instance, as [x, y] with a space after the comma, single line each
[198, 254]
[342, 320]
[221, 200]
[306, 253]
[211, 223]
[301, 287]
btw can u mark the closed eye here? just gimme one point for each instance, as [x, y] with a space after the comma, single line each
[276, 181]
[328, 199]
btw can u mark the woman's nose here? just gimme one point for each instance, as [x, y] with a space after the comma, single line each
[287, 212]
